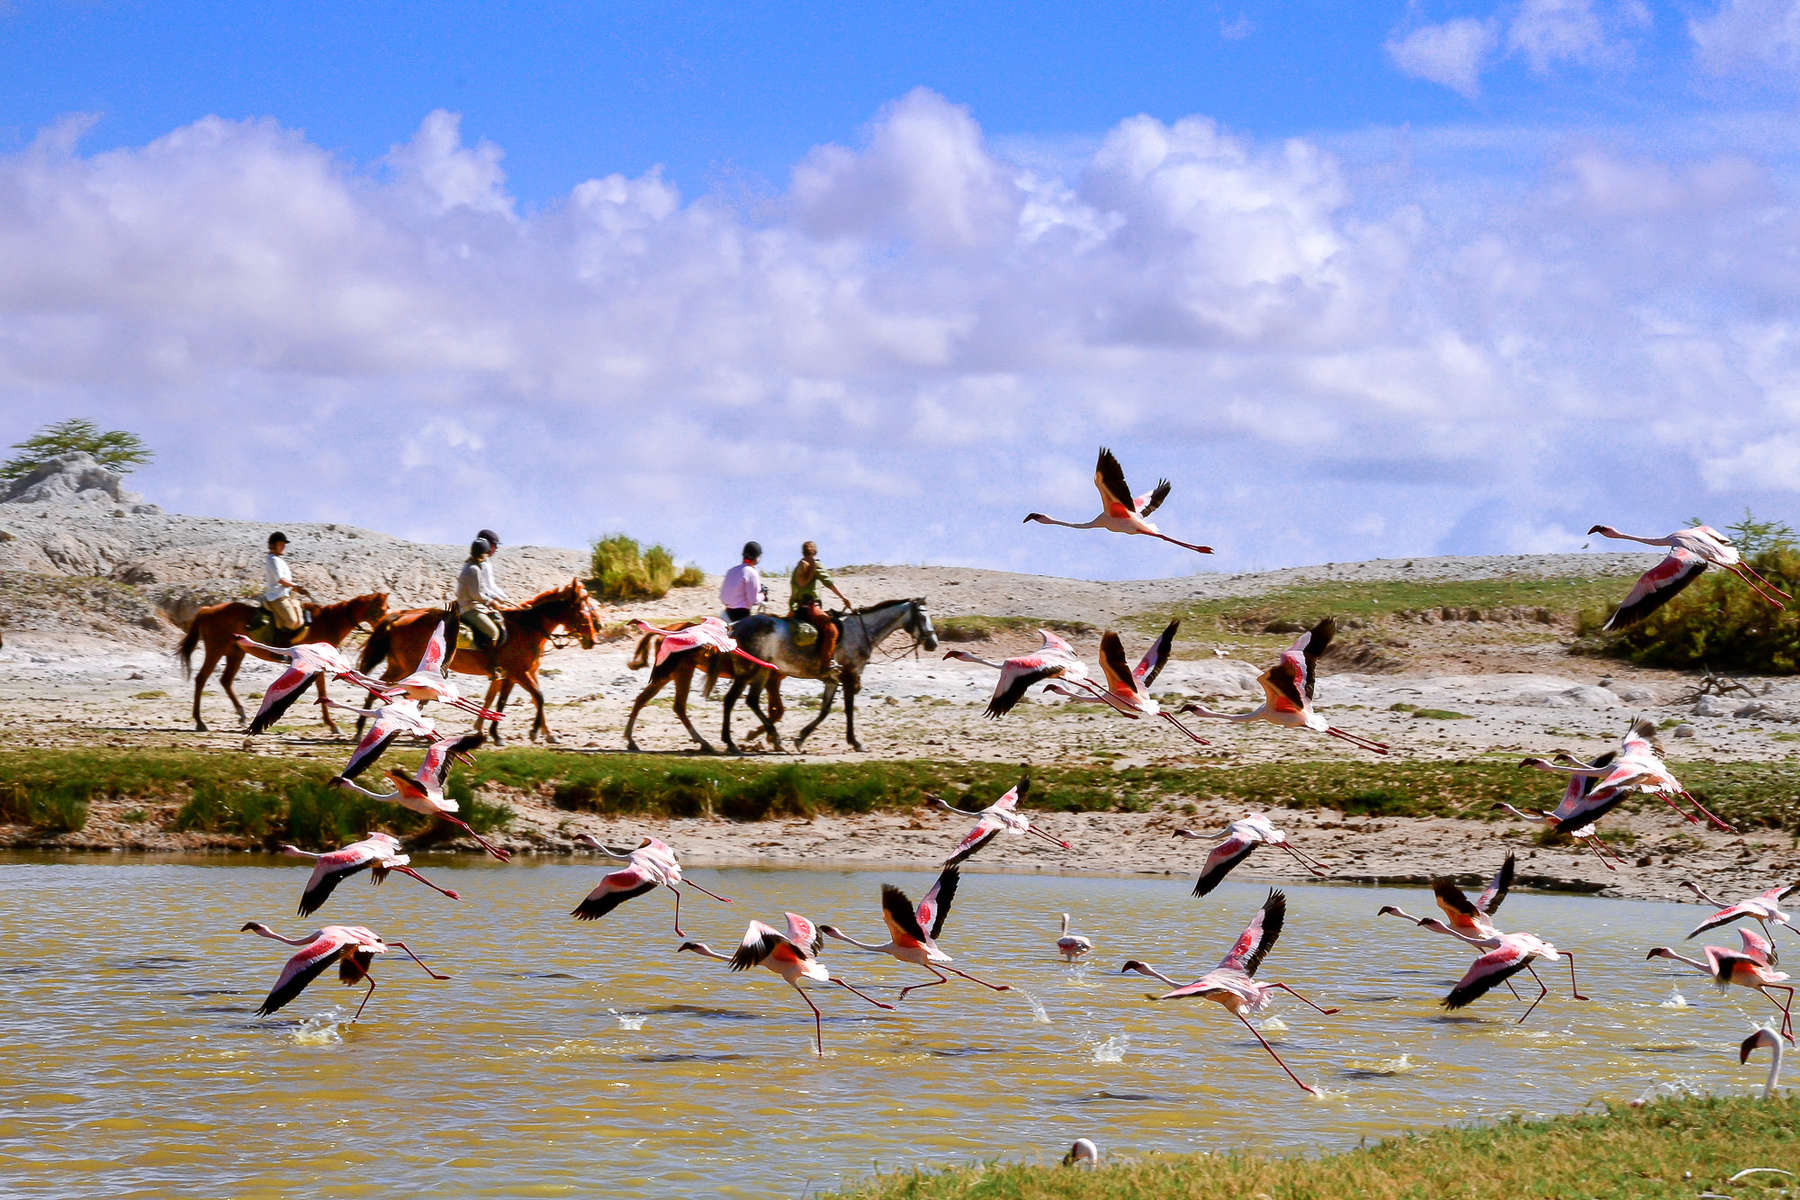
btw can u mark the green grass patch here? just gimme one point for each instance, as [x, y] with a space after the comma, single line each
[986, 629]
[1684, 1147]
[1428, 714]
[149, 695]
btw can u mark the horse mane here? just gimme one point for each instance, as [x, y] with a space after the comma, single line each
[544, 597]
[866, 608]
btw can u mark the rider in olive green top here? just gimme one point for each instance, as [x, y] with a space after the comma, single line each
[803, 602]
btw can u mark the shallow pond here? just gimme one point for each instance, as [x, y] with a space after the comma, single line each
[568, 1058]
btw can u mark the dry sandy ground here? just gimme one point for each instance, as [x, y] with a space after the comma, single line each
[71, 678]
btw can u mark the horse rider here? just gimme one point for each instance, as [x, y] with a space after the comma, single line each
[476, 595]
[803, 602]
[278, 591]
[743, 585]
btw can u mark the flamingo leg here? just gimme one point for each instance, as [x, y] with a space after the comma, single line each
[1357, 740]
[998, 987]
[818, 1020]
[1763, 579]
[1186, 732]
[1787, 1016]
[1054, 841]
[1542, 992]
[1679, 811]
[1708, 814]
[1300, 858]
[1593, 842]
[864, 995]
[1302, 999]
[677, 892]
[1197, 550]
[434, 887]
[913, 987]
[417, 959]
[497, 852]
[366, 997]
[1756, 587]
[1573, 991]
[704, 892]
[1265, 1045]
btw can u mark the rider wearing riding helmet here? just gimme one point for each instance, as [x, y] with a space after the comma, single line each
[476, 595]
[743, 584]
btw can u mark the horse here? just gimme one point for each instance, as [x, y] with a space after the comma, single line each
[400, 642]
[219, 624]
[771, 639]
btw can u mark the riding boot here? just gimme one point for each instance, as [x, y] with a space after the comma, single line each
[828, 640]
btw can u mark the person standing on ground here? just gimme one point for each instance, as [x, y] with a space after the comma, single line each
[743, 585]
[279, 587]
[803, 601]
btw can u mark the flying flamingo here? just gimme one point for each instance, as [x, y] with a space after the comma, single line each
[378, 853]
[423, 791]
[1232, 983]
[1120, 512]
[1288, 688]
[305, 663]
[1241, 837]
[1072, 945]
[1466, 917]
[352, 947]
[391, 720]
[710, 632]
[1762, 908]
[912, 933]
[1748, 968]
[1766, 1038]
[430, 679]
[1638, 767]
[1128, 691]
[791, 956]
[1578, 810]
[1691, 552]
[1055, 659]
[1507, 955]
[652, 864]
[1002, 814]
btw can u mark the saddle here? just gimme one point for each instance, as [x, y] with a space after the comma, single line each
[264, 629]
[807, 634]
[467, 638]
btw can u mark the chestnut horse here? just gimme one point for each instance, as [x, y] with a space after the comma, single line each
[400, 641]
[219, 624]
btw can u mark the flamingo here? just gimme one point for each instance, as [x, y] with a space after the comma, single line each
[423, 791]
[305, 663]
[1578, 810]
[430, 680]
[1055, 659]
[1749, 967]
[352, 947]
[710, 632]
[791, 956]
[1691, 552]
[1762, 908]
[1128, 692]
[378, 853]
[391, 720]
[1120, 512]
[652, 864]
[1507, 955]
[912, 933]
[1466, 917]
[1638, 767]
[1241, 837]
[1288, 688]
[1072, 945]
[1083, 1154]
[1232, 983]
[1766, 1038]
[1002, 814]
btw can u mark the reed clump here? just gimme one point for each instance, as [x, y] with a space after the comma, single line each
[622, 570]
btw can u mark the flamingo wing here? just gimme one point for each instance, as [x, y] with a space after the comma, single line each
[1148, 504]
[1010, 801]
[934, 909]
[1112, 663]
[1222, 858]
[1054, 643]
[614, 889]
[311, 962]
[380, 736]
[281, 696]
[1115, 494]
[1490, 899]
[761, 941]
[1156, 658]
[1016, 678]
[1313, 645]
[434, 771]
[1724, 916]
[1656, 587]
[1259, 936]
[437, 653]
[1281, 684]
[904, 927]
[984, 832]
[1455, 903]
[1488, 972]
[1757, 946]
[802, 932]
[331, 869]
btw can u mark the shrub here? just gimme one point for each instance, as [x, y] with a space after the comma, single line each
[115, 448]
[1717, 622]
[623, 571]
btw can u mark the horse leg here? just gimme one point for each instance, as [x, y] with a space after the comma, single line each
[852, 684]
[831, 689]
[538, 723]
[200, 677]
[499, 706]
[731, 694]
[324, 708]
[643, 697]
[234, 658]
[768, 726]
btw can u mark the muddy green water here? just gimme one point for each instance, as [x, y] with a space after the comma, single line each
[568, 1059]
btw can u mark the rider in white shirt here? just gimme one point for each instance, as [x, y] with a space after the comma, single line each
[742, 588]
[279, 587]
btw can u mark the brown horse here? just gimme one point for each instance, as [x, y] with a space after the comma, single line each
[679, 669]
[400, 642]
[219, 624]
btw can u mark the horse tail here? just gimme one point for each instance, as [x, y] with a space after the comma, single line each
[646, 647]
[189, 640]
[377, 648]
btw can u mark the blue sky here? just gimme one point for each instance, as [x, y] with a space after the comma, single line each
[1362, 279]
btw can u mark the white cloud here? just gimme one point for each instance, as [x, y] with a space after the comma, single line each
[1756, 38]
[1238, 28]
[1547, 32]
[1452, 54]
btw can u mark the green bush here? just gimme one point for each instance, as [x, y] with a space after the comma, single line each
[623, 571]
[55, 807]
[1717, 622]
[115, 449]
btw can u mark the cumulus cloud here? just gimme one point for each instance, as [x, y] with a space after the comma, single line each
[1452, 53]
[1544, 34]
[916, 341]
[1755, 38]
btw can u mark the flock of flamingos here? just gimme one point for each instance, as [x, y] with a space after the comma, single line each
[1592, 790]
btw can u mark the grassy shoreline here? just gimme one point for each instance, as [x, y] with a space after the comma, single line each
[266, 799]
[1683, 1146]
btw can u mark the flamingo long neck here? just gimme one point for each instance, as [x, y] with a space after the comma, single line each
[1096, 523]
[964, 812]
[1144, 968]
[265, 931]
[1668, 953]
[1774, 1068]
[841, 936]
[1255, 714]
[351, 783]
[701, 948]
[1632, 537]
[1693, 887]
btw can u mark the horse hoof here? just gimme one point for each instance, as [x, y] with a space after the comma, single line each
[633, 747]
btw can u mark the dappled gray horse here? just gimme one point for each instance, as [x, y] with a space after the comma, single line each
[772, 639]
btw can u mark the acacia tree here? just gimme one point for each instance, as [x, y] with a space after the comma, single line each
[113, 449]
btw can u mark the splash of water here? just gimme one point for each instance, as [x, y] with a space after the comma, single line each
[1113, 1049]
[1675, 1000]
[629, 1020]
[1274, 1025]
[1038, 1013]
[1384, 1066]
[317, 1031]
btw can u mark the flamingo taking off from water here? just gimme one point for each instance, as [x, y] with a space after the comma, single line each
[1465, 917]
[1002, 814]
[1750, 968]
[378, 853]
[352, 947]
[1240, 838]
[305, 663]
[423, 791]
[652, 863]
[1761, 908]
[1120, 511]
[1288, 688]
[1232, 983]
[1767, 1039]
[1507, 955]
[1691, 552]
[791, 956]
[912, 933]
[1128, 691]
[430, 680]
[1072, 945]
[710, 632]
